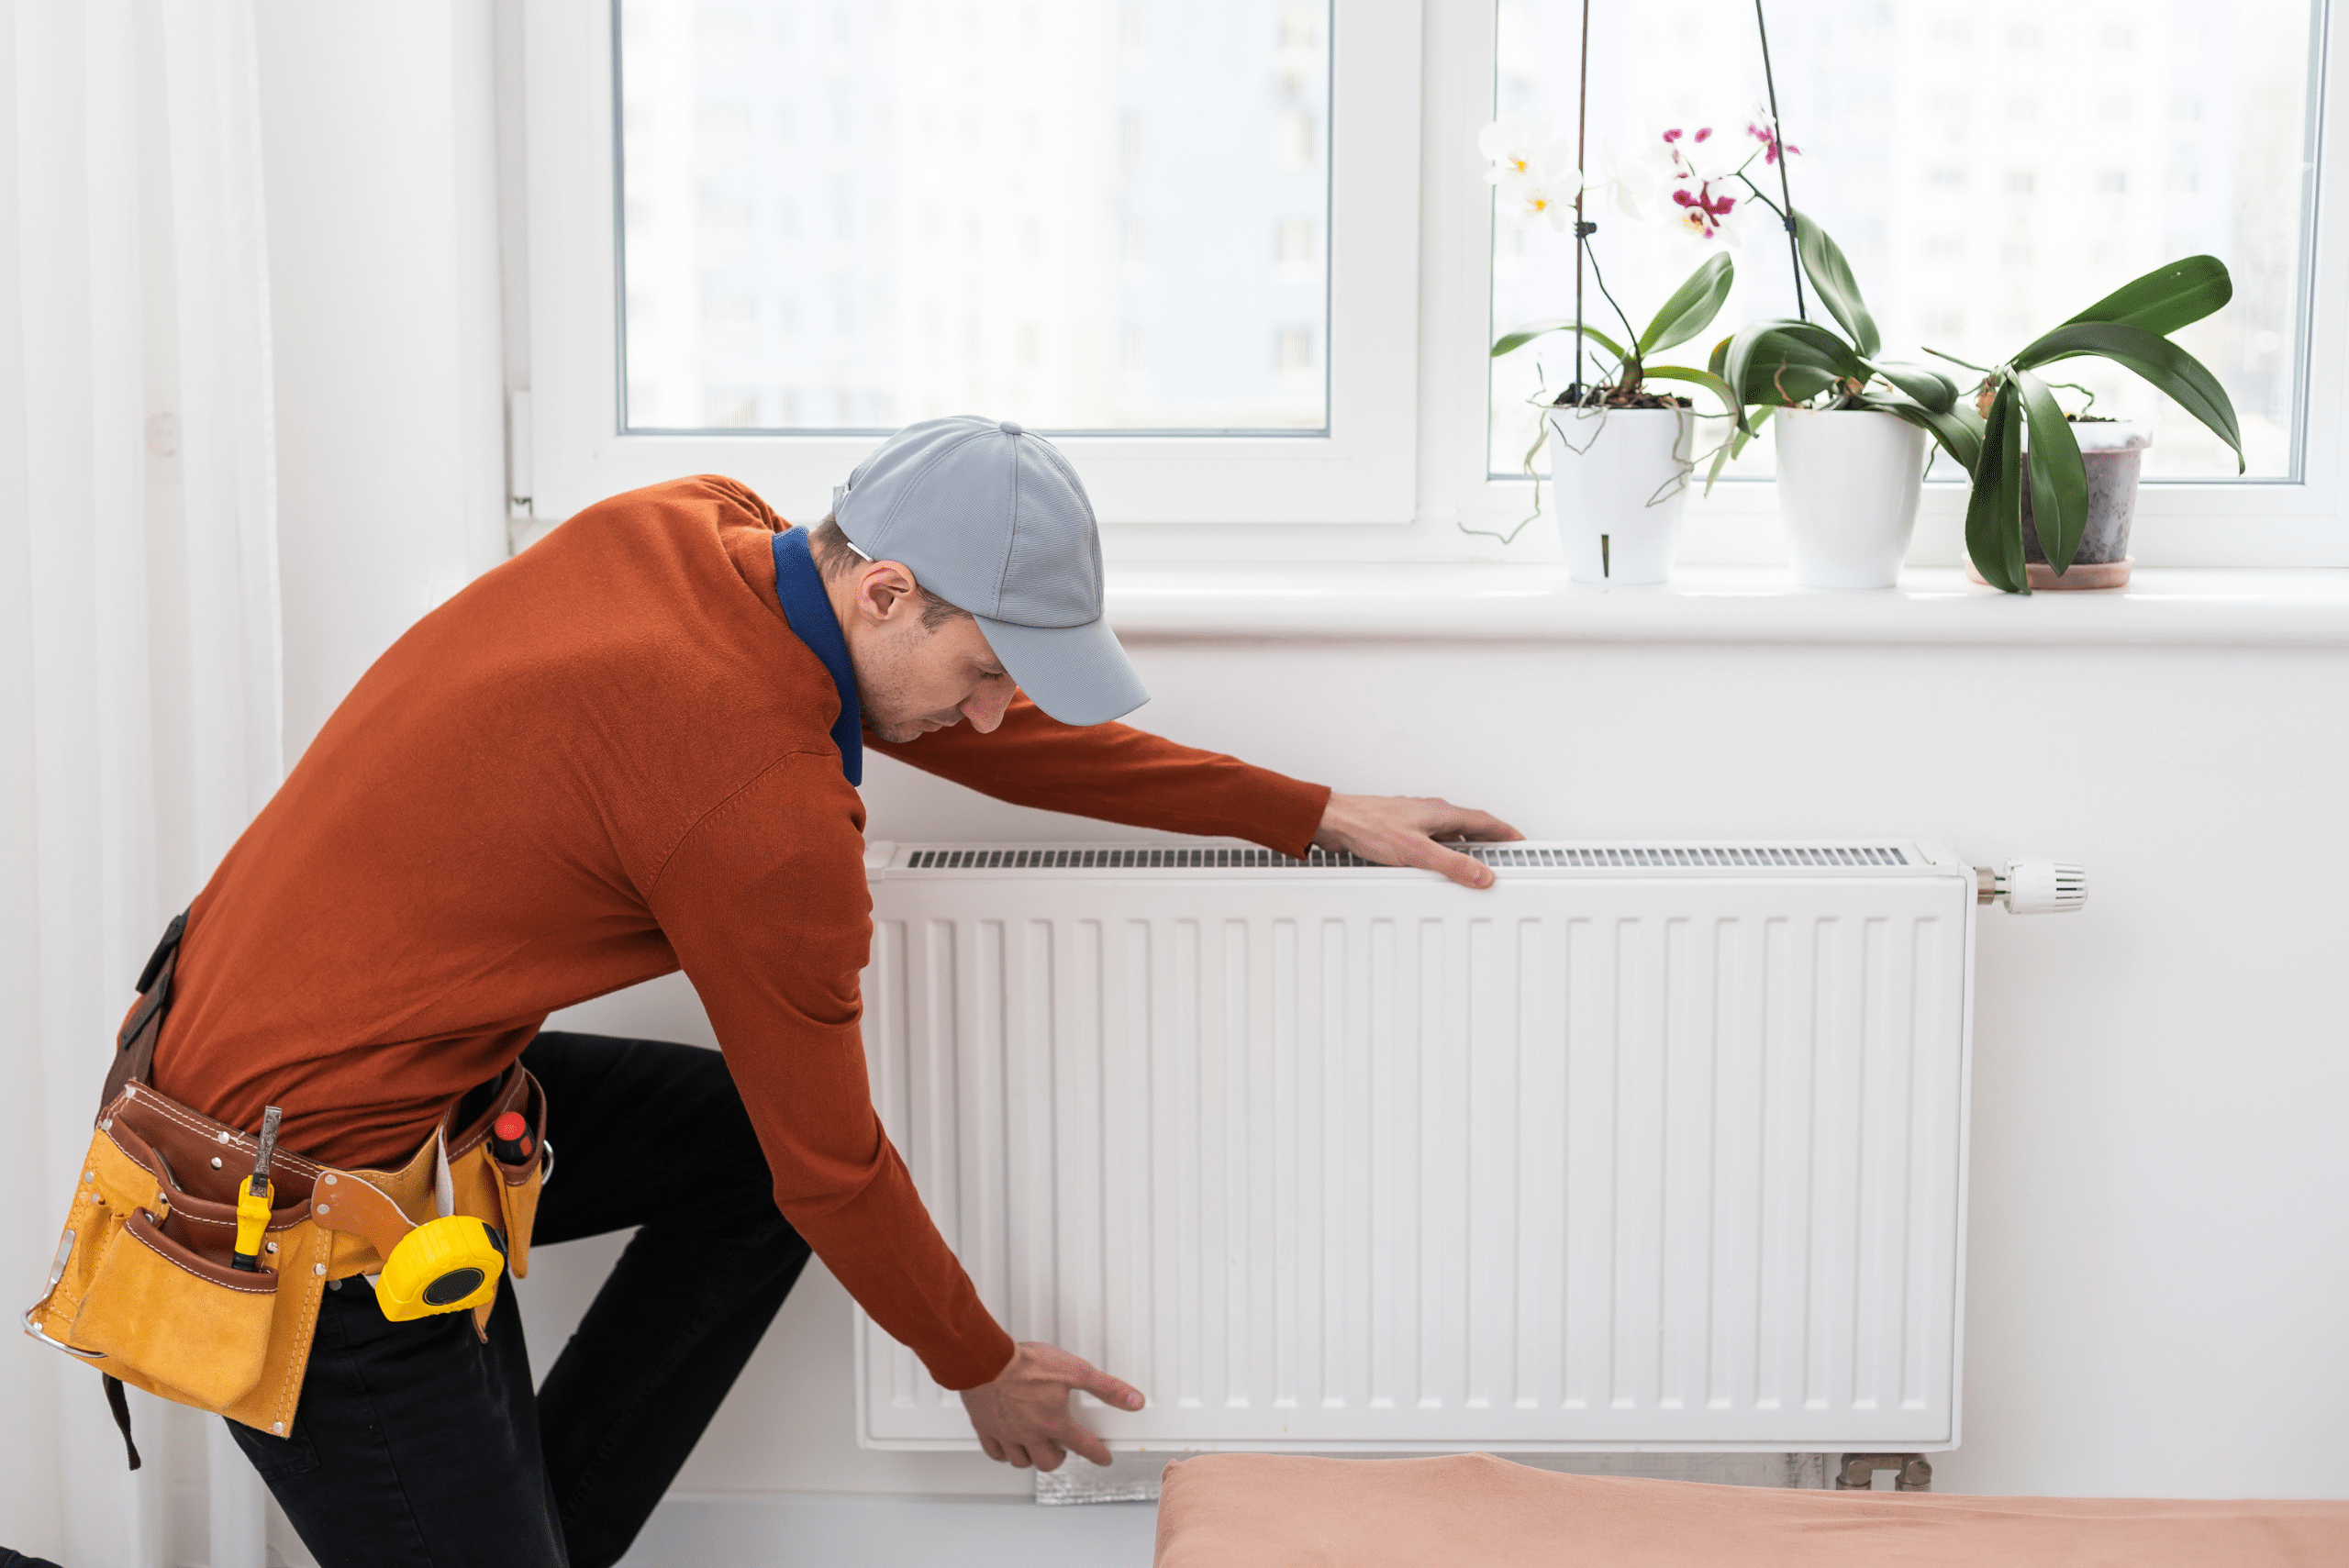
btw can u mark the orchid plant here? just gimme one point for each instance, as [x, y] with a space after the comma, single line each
[1716, 194]
[1796, 363]
[1534, 185]
[1802, 365]
[2131, 327]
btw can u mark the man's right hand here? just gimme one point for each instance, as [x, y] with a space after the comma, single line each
[1023, 1416]
[1402, 830]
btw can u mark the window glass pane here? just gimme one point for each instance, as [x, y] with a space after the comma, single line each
[1989, 169]
[1086, 215]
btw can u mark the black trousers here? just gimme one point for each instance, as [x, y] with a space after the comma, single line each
[416, 1443]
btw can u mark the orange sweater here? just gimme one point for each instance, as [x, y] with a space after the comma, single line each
[607, 758]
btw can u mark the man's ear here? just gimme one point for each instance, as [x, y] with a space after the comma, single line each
[884, 589]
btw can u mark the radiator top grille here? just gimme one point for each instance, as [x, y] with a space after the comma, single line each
[1552, 857]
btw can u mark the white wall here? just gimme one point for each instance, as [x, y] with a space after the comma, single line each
[378, 154]
[2157, 1269]
[2157, 1275]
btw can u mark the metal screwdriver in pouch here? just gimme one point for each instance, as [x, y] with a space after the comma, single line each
[252, 1203]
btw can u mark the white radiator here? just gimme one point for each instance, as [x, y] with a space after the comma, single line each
[1647, 1147]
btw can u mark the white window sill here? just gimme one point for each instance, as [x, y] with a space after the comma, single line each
[1166, 603]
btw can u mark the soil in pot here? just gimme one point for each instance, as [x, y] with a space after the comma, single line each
[1615, 398]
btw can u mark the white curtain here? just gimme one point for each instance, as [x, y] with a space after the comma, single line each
[139, 670]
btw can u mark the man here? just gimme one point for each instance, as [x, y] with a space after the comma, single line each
[632, 749]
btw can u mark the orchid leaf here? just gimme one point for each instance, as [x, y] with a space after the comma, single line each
[1511, 342]
[2166, 299]
[1959, 431]
[1731, 358]
[1823, 343]
[1924, 383]
[2010, 493]
[1739, 440]
[1767, 323]
[2059, 482]
[1705, 379]
[2185, 378]
[1831, 274]
[1796, 384]
[1693, 306]
[1787, 362]
[1994, 511]
[1830, 351]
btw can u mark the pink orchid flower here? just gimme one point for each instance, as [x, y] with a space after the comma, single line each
[1703, 214]
[1696, 169]
[1767, 135]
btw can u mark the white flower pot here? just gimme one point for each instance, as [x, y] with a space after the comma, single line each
[1623, 483]
[1848, 480]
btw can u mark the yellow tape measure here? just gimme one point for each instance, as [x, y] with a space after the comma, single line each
[449, 1264]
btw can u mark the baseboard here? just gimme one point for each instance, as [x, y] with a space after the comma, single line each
[820, 1530]
[896, 1529]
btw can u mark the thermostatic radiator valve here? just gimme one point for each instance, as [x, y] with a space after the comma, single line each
[2032, 887]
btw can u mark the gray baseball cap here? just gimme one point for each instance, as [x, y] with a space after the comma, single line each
[994, 521]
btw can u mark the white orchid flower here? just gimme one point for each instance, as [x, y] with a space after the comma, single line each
[1536, 195]
[1628, 183]
[1519, 146]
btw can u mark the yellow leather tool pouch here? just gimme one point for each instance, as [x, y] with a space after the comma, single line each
[184, 1322]
[140, 1285]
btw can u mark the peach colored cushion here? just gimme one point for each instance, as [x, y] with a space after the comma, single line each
[1239, 1510]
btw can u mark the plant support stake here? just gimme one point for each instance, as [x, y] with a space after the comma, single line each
[1778, 129]
[1582, 229]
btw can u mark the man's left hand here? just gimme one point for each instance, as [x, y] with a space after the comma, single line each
[1400, 830]
[1023, 1419]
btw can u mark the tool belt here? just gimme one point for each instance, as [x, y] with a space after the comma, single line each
[142, 1287]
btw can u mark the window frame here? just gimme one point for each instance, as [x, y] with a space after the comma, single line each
[1359, 470]
[1402, 474]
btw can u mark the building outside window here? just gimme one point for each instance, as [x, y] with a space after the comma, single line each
[973, 169]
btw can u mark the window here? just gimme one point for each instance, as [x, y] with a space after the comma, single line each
[1239, 256]
[945, 133]
[822, 220]
[1987, 180]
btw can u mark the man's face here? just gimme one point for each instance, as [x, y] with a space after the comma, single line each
[912, 679]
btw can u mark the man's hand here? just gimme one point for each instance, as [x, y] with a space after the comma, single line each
[1397, 831]
[1023, 1419]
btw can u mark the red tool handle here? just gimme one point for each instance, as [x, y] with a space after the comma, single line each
[511, 1136]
